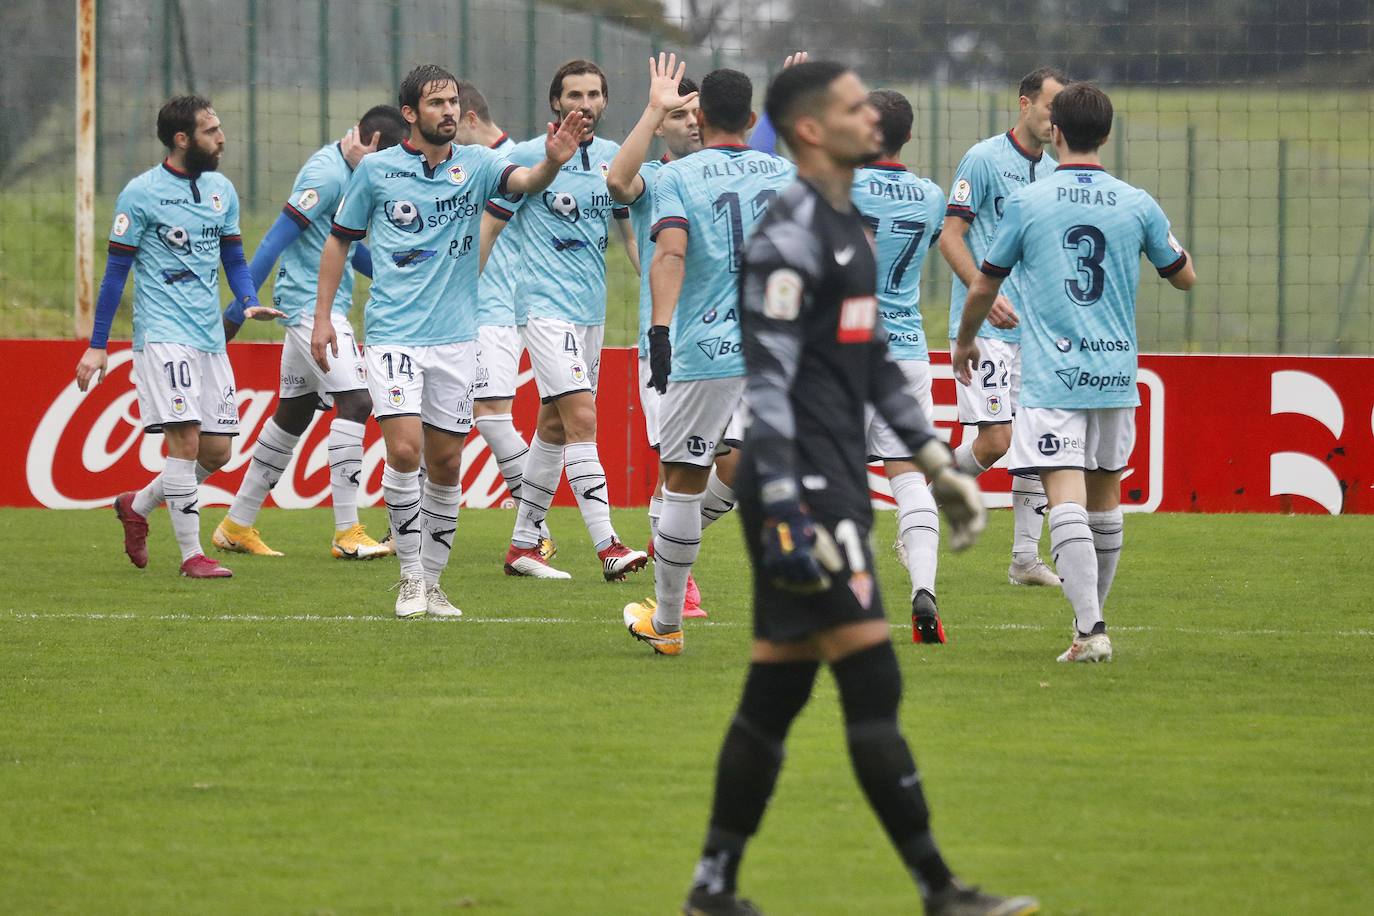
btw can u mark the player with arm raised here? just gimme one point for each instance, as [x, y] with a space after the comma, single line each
[987, 175]
[175, 225]
[815, 354]
[671, 115]
[563, 235]
[1076, 238]
[706, 207]
[297, 238]
[421, 204]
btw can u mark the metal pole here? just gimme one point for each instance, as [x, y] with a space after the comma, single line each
[1281, 304]
[464, 24]
[596, 39]
[166, 49]
[99, 79]
[323, 29]
[992, 117]
[934, 127]
[1190, 183]
[396, 43]
[1119, 128]
[1353, 284]
[252, 55]
[83, 279]
[531, 76]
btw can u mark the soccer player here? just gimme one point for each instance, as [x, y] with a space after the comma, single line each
[630, 181]
[421, 201]
[561, 312]
[985, 178]
[175, 225]
[906, 214]
[297, 238]
[705, 209]
[1077, 237]
[815, 354]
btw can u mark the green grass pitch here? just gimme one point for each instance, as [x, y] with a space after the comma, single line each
[279, 744]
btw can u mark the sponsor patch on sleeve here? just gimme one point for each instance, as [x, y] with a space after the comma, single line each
[962, 191]
[309, 197]
[1174, 244]
[782, 295]
[121, 224]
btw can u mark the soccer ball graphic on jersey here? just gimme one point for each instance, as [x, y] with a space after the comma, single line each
[175, 237]
[403, 214]
[563, 204]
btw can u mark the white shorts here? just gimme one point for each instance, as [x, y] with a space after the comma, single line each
[649, 401]
[498, 362]
[301, 375]
[883, 443]
[432, 383]
[694, 418]
[996, 388]
[1050, 438]
[177, 383]
[566, 357]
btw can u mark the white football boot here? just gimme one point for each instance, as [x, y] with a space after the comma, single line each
[411, 601]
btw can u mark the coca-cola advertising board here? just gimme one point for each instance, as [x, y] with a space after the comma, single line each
[1214, 434]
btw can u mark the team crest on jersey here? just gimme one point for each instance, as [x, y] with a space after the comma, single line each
[605, 169]
[217, 202]
[962, 191]
[121, 224]
[309, 197]
[396, 395]
[403, 214]
[457, 175]
[361, 372]
[858, 317]
[578, 373]
[176, 238]
[178, 404]
[994, 405]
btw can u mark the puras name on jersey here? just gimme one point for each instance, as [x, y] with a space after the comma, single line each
[1090, 197]
[731, 167]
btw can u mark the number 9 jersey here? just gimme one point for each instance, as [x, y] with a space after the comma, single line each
[1078, 236]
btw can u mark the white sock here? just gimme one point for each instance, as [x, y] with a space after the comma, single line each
[964, 460]
[588, 481]
[345, 469]
[543, 470]
[1076, 562]
[507, 447]
[1028, 514]
[716, 501]
[655, 513]
[439, 522]
[150, 497]
[918, 527]
[401, 490]
[271, 454]
[675, 550]
[1108, 533]
[182, 495]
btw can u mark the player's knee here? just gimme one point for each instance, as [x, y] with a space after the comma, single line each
[293, 415]
[354, 406]
[213, 453]
[870, 684]
[403, 455]
[773, 696]
[994, 440]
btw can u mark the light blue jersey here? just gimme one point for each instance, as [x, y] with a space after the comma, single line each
[423, 225]
[314, 198]
[171, 225]
[563, 234]
[987, 175]
[906, 213]
[496, 286]
[718, 195]
[642, 218]
[1077, 237]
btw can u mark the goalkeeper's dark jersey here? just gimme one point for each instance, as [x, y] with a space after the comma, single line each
[815, 353]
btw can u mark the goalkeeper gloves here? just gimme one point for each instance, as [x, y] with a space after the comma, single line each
[955, 492]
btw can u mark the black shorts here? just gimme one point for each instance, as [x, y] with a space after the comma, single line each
[783, 616]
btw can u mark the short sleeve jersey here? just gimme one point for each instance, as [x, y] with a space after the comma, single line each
[987, 175]
[906, 213]
[563, 234]
[718, 195]
[314, 197]
[172, 225]
[496, 286]
[423, 225]
[1076, 237]
[642, 218]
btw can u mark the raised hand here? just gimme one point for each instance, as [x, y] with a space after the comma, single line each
[800, 57]
[665, 77]
[354, 149]
[563, 139]
[263, 313]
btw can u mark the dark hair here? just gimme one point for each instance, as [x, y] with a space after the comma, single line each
[384, 120]
[894, 118]
[1033, 82]
[727, 100]
[576, 67]
[687, 86]
[1083, 113]
[178, 116]
[470, 98]
[420, 79]
[799, 90]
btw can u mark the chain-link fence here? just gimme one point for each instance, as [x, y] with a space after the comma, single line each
[1252, 122]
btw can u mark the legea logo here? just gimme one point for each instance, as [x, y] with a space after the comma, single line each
[1297, 473]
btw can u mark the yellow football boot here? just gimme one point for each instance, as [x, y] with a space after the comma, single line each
[354, 544]
[639, 620]
[231, 536]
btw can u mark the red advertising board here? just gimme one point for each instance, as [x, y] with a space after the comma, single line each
[1215, 434]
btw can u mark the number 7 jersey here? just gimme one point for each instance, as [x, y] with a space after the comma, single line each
[718, 195]
[1078, 236]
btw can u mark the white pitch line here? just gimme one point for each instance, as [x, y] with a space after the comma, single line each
[383, 618]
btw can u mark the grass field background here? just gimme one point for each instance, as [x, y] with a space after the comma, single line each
[278, 743]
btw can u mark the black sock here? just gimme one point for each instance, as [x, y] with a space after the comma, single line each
[870, 686]
[747, 769]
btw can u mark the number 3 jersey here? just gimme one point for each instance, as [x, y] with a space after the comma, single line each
[423, 224]
[172, 225]
[905, 213]
[718, 195]
[1078, 236]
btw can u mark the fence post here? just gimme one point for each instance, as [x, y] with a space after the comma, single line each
[1119, 128]
[395, 30]
[934, 127]
[1189, 188]
[324, 71]
[464, 23]
[1282, 274]
[992, 117]
[596, 39]
[252, 56]
[531, 76]
[83, 282]
[166, 49]
[99, 79]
